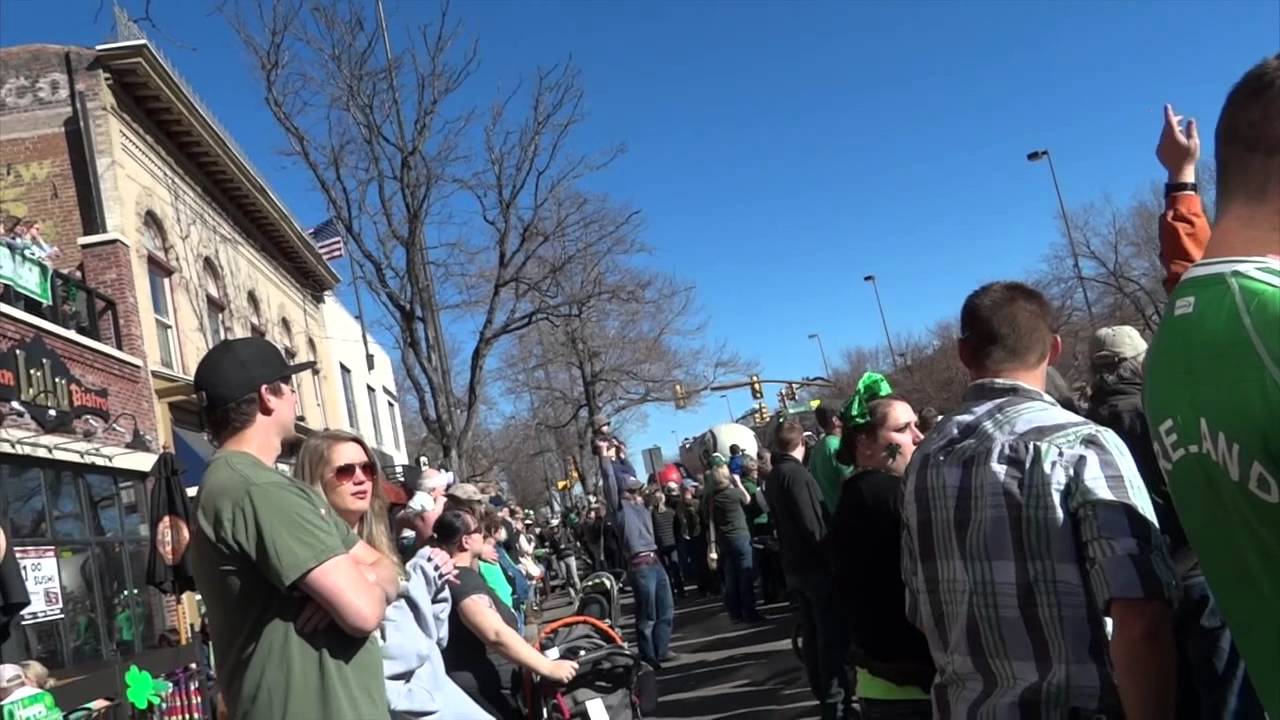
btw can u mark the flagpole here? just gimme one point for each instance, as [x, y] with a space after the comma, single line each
[364, 334]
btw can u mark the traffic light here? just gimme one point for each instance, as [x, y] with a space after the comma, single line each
[682, 398]
[762, 414]
[757, 389]
[791, 392]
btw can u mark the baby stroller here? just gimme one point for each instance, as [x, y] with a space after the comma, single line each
[612, 682]
[599, 598]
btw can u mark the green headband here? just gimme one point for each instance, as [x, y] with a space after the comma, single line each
[871, 387]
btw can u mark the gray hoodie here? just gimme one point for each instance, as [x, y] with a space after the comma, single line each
[414, 630]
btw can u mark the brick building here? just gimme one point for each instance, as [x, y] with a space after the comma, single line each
[170, 241]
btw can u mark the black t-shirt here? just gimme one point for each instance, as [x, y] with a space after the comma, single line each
[865, 543]
[465, 652]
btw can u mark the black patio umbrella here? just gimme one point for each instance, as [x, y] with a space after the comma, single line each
[168, 563]
[13, 592]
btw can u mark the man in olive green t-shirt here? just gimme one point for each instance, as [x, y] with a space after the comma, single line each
[293, 594]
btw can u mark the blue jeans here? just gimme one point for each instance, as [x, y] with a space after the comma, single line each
[653, 610]
[1217, 687]
[739, 577]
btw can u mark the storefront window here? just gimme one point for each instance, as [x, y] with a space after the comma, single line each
[64, 504]
[104, 510]
[107, 610]
[44, 643]
[79, 596]
[132, 497]
[24, 497]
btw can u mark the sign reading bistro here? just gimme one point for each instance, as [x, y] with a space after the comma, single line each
[36, 376]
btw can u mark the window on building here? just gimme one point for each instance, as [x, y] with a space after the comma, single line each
[291, 356]
[257, 328]
[349, 394]
[375, 412]
[159, 273]
[215, 307]
[91, 525]
[393, 419]
[314, 357]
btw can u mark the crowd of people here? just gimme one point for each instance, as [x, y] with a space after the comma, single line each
[1028, 554]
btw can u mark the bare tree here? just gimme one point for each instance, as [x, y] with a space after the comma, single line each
[455, 224]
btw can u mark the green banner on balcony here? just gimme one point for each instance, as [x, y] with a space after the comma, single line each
[26, 273]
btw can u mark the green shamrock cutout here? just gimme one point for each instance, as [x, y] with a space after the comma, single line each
[142, 689]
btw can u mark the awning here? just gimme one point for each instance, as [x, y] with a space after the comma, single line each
[193, 451]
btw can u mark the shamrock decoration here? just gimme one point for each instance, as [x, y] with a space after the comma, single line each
[893, 450]
[143, 690]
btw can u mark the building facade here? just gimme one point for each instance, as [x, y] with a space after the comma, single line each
[363, 386]
[168, 241]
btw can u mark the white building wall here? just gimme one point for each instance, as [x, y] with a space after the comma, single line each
[344, 356]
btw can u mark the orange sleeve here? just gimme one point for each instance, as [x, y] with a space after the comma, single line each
[1184, 234]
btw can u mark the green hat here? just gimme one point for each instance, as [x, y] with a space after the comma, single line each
[717, 459]
[871, 387]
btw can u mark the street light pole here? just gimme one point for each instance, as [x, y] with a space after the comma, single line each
[732, 417]
[876, 288]
[825, 366]
[1034, 156]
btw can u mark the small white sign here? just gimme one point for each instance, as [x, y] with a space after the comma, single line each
[596, 709]
[44, 582]
[552, 653]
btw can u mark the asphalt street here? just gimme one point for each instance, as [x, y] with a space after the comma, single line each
[725, 670]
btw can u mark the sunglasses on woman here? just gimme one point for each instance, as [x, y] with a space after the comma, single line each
[346, 472]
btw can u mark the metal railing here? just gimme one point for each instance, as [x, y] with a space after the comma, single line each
[76, 307]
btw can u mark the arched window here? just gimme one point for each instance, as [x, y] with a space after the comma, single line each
[214, 304]
[153, 236]
[313, 356]
[158, 274]
[257, 328]
[291, 356]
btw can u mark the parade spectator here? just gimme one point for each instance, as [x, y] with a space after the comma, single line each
[268, 552]
[665, 521]
[823, 463]
[430, 494]
[695, 535]
[801, 520]
[490, 568]
[763, 544]
[927, 420]
[562, 550]
[649, 582]
[894, 667]
[22, 697]
[340, 466]
[1212, 392]
[485, 652]
[729, 500]
[1214, 681]
[1041, 526]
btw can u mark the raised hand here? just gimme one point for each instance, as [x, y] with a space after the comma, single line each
[1178, 150]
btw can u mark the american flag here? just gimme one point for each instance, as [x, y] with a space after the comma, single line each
[328, 240]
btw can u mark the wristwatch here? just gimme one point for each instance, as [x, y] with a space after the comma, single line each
[1179, 187]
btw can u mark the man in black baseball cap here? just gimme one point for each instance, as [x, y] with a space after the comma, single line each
[287, 583]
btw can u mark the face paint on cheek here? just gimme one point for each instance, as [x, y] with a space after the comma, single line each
[893, 450]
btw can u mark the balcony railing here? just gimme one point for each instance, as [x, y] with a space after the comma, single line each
[73, 305]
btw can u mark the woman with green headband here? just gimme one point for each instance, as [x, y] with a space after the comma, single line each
[895, 669]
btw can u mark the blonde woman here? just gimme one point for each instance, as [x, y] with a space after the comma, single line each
[342, 468]
[729, 502]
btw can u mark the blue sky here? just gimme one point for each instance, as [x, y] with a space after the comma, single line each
[806, 144]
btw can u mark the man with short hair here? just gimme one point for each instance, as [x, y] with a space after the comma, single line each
[1212, 394]
[649, 582]
[293, 594]
[801, 518]
[829, 473]
[1024, 526]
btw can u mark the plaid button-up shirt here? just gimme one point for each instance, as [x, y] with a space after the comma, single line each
[1021, 522]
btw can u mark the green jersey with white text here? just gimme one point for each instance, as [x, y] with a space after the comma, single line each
[1212, 400]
